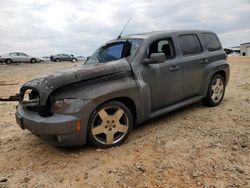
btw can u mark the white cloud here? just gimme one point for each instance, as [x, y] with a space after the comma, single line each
[235, 38]
[78, 27]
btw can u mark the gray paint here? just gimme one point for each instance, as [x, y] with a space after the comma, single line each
[155, 89]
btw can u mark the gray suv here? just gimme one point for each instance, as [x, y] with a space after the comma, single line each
[125, 82]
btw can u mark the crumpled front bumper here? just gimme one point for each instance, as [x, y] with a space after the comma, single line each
[61, 128]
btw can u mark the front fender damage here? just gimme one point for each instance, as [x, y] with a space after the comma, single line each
[46, 85]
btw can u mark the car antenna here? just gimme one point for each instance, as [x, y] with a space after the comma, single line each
[124, 29]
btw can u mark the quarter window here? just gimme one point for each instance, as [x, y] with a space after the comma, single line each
[211, 41]
[190, 44]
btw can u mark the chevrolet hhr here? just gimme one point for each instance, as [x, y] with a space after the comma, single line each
[125, 82]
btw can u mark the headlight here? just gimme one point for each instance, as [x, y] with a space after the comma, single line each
[30, 98]
[67, 106]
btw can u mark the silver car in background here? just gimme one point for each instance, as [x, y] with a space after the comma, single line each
[18, 57]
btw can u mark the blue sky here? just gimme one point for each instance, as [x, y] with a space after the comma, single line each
[79, 27]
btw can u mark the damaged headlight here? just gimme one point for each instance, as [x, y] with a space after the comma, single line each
[30, 98]
[67, 105]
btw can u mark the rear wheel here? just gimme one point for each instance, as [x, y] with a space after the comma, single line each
[216, 91]
[110, 125]
[8, 61]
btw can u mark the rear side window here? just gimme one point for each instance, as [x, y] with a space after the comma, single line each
[190, 44]
[211, 41]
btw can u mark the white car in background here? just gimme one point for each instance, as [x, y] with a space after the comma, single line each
[17, 57]
[81, 58]
[234, 54]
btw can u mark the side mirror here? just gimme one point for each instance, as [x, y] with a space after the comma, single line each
[155, 58]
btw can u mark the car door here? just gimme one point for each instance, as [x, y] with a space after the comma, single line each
[164, 79]
[24, 57]
[67, 57]
[194, 60]
[14, 56]
[60, 56]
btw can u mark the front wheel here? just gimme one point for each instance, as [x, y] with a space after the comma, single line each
[216, 91]
[110, 125]
[33, 60]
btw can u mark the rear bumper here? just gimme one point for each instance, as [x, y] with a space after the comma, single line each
[61, 128]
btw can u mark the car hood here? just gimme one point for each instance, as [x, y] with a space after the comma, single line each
[47, 84]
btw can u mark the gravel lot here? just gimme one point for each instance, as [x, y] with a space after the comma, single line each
[196, 146]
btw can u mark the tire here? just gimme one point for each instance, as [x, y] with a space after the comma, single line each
[33, 60]
[105, 130]
[216, 91]
[74, 60]
[57, 60]
[8, 61]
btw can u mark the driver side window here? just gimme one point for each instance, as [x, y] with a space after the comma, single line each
[162, 46]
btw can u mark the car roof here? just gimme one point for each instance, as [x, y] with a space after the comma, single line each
[157, 33]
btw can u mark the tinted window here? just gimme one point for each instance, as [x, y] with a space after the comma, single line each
[110, 53]
[162, 46]
[114, 51]
[211, 41]
[190, 44]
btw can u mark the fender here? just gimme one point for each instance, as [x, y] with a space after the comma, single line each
[99, 91]
[210, 70]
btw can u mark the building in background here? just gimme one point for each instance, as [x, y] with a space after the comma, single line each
[245, 49]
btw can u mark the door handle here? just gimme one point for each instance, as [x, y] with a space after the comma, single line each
[174, 68]
[204, 61]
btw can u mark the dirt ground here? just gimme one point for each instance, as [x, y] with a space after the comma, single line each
[196, 146]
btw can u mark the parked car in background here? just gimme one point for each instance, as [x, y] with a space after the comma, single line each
[81, 58]
[18, 57]
[125, 82]
[63, 57]
[46, 58]
[234, 54]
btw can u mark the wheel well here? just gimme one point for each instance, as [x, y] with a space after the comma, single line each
[129, 103]
[222, 73]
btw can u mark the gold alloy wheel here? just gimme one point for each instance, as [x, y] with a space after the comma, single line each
[217, 90]
[109, 125]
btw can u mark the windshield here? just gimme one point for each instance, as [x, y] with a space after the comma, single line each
[114, 51]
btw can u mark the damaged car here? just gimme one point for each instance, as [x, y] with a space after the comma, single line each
[125, 82]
